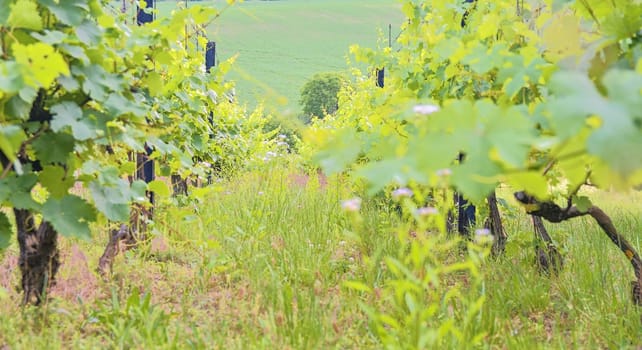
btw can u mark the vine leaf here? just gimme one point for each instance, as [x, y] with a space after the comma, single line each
[69, 114]
[24, 14]
[70, 216]
[53, 147]
[88, 33]
[620, 136]
[532, 182]
[582, 203]
[71, 12]
[113, 201]
[159, 187]
[379, 174]
[5, 11]
[11, 137]
[55, 180]
[19, 191]
[39, 63]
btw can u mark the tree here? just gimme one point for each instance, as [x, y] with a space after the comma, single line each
[319, 96]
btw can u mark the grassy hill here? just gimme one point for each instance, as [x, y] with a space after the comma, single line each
[281, 44]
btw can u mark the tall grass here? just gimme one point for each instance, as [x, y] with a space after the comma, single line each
[260, 261]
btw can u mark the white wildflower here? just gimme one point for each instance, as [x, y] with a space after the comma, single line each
[426, 211]
[482, 232]
[401, 192]
[425, 109]
[351, 205]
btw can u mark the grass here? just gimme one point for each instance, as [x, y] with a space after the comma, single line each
[282, 44]
[259, 262]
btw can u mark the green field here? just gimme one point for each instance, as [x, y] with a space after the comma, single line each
[281, 44]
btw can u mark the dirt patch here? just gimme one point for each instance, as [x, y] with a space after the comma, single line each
[302, 180]
[7, 277]
[75, 280]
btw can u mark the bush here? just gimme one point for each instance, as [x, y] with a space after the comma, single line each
[319, 95]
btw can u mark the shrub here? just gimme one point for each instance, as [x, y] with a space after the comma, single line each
[319, 95]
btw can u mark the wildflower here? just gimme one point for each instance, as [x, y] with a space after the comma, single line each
[483, 235]
[482, 232]
[269, 155]
[282, 137]
[401, 192]
[426, 211]
[444, 172]
[351, 205]
[260, 193]
[425, 109]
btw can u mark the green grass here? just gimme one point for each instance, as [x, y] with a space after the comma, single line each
[282, 44]
[259, 263]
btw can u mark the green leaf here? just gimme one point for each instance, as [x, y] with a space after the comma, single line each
[11, 138]
[138, 191]
[159, 187]
[577, 99]
[618, 143]
[20, 191]
[340, 153]
[92, 76]
[118, 105]
[10, 78]
[5, 11]
[39, 63]
[154, 83]
[511, 133]
[477, 176]
[70, 216]
[532, 182]
[389, 171]
[514, 84]
[623, 22]
[88, 33]
[55, 180]
[51, 37]
[24, 14]
[582, 203]
[53, 147]
[446, 48]
[75, 51]
[69, 114]
[71, 12]
[113, 201]
[17, 108]
[5, 231]
[68, 82]
[625, 86]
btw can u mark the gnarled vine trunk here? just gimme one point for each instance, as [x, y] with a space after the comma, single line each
[127, 237]
[554, 213]
[39, 256]
[495, 225]
[547, 257]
